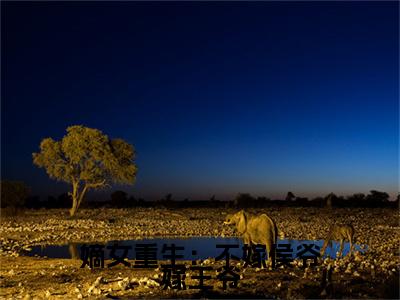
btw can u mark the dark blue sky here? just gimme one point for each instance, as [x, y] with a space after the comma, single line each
[217, 98]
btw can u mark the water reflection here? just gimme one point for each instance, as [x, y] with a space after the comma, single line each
[194, 248]
[73, 249]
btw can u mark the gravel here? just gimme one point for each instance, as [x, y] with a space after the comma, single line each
[377, 228]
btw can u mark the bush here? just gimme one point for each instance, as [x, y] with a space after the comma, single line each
[13, 195]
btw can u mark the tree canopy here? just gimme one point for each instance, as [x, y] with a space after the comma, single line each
[87, 159]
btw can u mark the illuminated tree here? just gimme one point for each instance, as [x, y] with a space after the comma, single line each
[87, 159]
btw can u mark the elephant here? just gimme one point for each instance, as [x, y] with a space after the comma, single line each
[255, 230]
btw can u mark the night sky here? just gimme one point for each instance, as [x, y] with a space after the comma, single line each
[217, 98]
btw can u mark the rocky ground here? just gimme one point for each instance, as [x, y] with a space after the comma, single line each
[374, 274]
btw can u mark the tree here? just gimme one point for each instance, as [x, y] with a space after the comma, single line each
[377, 198]
[301, 201]
[63, 200]
[33, 202]
[13, 194]
[263, 201]
[290, 196]
[244, 200]
[87, 159]
[356, 200]
[330, 199]
[119, 199]
[167, 199]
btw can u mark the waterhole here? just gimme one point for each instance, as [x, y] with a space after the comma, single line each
[194, 248]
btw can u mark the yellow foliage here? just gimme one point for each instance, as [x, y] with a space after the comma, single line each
[87, 159]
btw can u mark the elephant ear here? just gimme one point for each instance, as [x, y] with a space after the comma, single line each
[242, 224]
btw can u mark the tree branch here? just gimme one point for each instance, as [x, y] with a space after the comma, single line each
[82, 194]
[95, 185]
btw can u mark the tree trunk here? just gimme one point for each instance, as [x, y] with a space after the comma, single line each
[73, 251]
[74, 208]
[75, 202]
[82, 195]
[77, 198]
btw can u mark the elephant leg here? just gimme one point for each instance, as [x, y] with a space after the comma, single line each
[270, 250]
[246, 239]
[325, 245]
[351, 244]
[247, 242]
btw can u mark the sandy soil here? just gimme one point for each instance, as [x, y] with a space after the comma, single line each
[374, 274]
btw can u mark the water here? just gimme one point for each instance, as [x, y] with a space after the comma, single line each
[194, 248]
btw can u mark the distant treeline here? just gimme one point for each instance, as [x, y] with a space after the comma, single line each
[17, 196]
